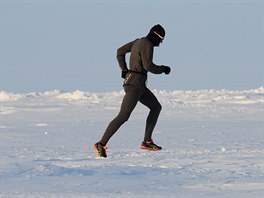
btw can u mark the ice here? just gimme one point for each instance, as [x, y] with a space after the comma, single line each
[212, 145]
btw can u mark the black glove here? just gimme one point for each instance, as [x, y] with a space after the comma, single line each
[166, 69]
[124, 73]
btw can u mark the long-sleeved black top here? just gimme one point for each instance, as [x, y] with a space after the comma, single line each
[141, 57]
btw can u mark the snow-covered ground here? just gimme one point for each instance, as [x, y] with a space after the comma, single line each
[212, 140]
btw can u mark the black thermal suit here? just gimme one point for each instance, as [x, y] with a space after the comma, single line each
[140, 64]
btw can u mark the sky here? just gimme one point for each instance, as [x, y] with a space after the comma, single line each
[71, 44]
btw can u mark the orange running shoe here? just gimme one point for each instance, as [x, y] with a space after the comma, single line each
[100, 149]
[150, 145]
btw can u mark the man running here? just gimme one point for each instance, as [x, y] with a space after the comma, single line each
[140, 63]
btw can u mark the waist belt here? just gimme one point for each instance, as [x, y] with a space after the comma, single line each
[136, 72]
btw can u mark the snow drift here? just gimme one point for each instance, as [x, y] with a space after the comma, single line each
[212, 140]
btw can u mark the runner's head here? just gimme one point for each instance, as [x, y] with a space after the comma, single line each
[156, 34]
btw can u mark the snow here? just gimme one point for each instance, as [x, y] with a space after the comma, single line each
[212, 145]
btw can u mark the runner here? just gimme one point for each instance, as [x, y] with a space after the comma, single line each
[141, 56]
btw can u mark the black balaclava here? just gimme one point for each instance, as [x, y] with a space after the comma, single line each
[156, 34]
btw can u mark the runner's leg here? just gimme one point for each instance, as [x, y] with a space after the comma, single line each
[128, 104]
[150, 100]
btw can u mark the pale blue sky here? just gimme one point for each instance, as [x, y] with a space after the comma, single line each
[71, 44]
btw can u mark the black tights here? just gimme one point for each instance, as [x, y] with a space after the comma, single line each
[132, 96]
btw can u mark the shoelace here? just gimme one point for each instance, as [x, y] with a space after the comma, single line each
[104, 147]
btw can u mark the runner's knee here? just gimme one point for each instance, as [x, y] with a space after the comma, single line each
[158, 107]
